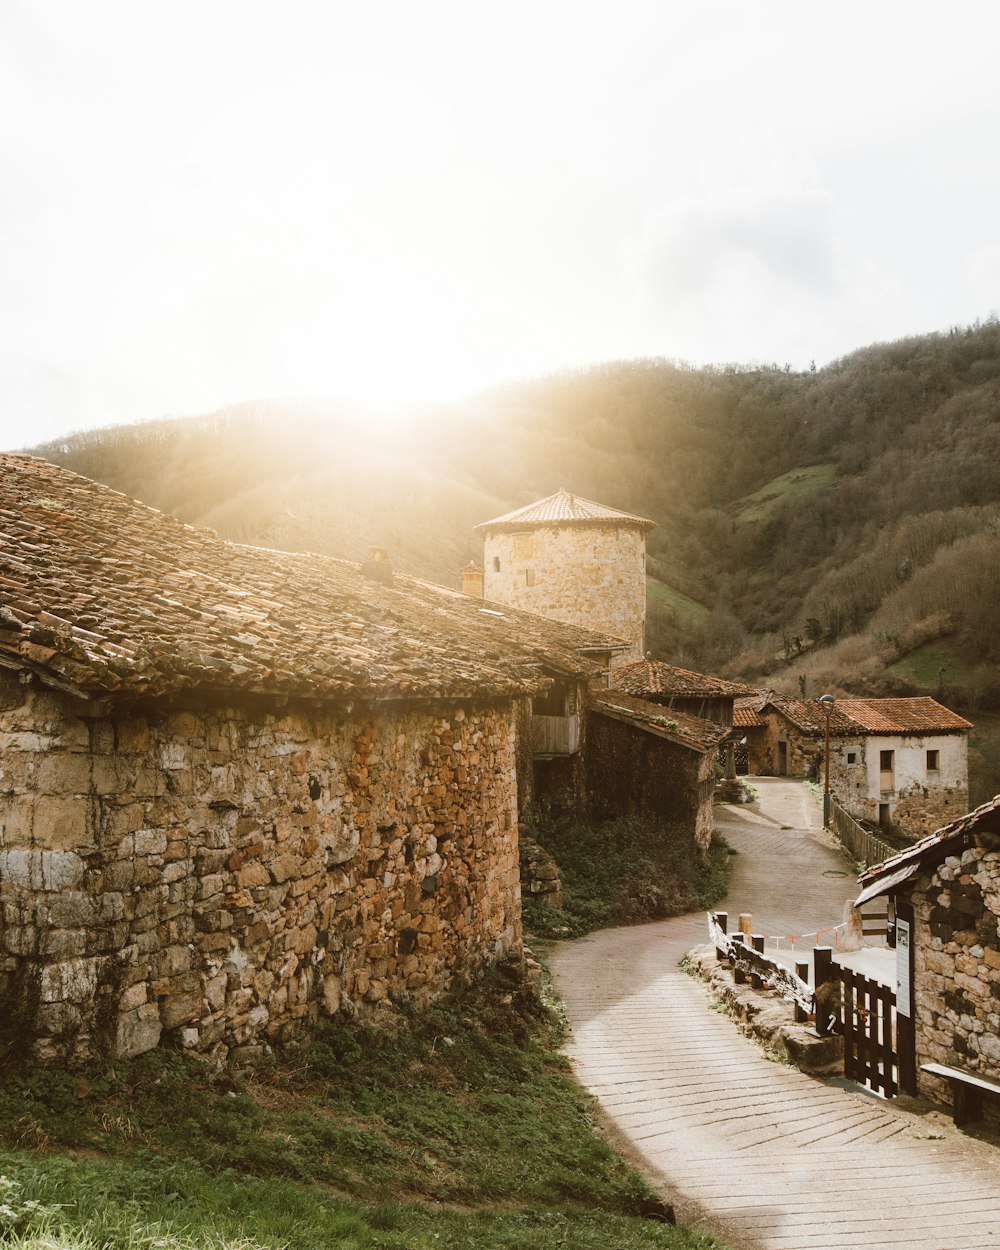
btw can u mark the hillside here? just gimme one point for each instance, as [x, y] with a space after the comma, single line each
[831, 525]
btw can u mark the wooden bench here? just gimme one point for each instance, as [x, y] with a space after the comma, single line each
[966, 1091]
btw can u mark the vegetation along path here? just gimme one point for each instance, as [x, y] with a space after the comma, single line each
[754, 1150]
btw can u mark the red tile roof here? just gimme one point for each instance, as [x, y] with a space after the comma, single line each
[680, 727]
[102, 595]
[746, 718]
[902, 716]
[808, 716]
[562, 508]
[647, 678]
[859, 717]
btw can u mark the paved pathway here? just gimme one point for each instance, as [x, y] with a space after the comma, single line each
[765, 1156]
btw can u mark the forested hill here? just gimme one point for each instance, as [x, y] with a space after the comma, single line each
[835, 526]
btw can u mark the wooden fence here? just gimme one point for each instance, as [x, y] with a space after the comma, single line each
[749, 963]
[866, 848]
[845, 1002]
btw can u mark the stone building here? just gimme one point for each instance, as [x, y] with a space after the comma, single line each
[645, 760]
[790, 740]
[907, 768]
[944, 893]
[242, 787]
[572, 560]
[900, 763]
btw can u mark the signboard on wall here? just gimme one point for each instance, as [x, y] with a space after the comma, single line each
[902, 967]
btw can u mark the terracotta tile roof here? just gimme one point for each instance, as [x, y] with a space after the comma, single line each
[746, 718]
[102, 595]
[901, 716]
[858, 717]
[986, 816]
[809, 717]
[562, 508]
[647, 678]
[680, 727]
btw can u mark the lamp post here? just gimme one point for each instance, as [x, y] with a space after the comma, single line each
[826, 702]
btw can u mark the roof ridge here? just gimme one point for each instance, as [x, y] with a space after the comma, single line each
[565, 508]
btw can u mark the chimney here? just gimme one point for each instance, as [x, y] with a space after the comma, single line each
[378, 566]
[472, 580]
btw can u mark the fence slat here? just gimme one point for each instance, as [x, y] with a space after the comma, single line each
[861, 842]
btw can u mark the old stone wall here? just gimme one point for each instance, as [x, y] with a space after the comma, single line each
[957, 965]
[631, 772]
[216, 878]
[588, 575]
[802, 751]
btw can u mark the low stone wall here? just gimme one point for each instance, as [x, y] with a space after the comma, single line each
[540, 880]
[957, 966]
[216, 878]
[767, 1017]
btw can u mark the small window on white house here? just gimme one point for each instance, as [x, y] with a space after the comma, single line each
[852, 757]
[886, 761]
[496, 564]
[933, 761]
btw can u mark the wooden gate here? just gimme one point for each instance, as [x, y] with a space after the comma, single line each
[866, 1019]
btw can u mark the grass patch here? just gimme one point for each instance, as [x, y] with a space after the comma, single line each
[795, 483]
[923, 667]
[458, 1127]
[663, 598]
[58, 1203]
[622, 871]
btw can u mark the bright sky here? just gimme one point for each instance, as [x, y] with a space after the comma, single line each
[205, 202]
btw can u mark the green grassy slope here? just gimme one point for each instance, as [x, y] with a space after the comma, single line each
[460, 1127]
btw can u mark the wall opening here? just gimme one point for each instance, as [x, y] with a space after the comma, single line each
[496, 564]
[933, 761]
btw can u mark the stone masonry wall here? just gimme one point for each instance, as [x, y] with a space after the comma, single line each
[803, 750]
[957, 964]
[216, 879]
[588, 575]
[630, 771]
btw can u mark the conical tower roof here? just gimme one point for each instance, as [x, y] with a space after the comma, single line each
[563, 508]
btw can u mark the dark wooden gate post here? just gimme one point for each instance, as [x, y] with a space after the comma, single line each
[757, 942]
[822, 977]
[739, 976]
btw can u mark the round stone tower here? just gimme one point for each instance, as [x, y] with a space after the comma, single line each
[572, 560]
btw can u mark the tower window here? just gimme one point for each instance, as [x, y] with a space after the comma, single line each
[496, 564]
[529, 577]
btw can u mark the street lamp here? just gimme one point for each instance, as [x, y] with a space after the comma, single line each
[826, 702]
